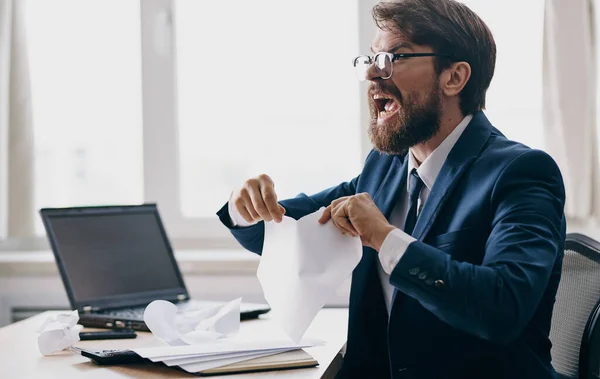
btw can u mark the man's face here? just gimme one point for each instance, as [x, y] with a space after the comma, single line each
[406, 108]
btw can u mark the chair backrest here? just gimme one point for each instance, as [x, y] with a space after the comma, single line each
[576, 309]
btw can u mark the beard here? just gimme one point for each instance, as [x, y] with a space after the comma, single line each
[416, 121]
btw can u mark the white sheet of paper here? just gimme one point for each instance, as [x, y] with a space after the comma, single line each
[199, 366]
[302, 265]
[177, 360]
[192, 326]
[244, 340]
[221, 347]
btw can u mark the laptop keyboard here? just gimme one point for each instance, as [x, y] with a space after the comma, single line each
[138, 313]
[128, 313]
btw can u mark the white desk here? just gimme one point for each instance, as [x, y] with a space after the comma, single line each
[20, 357]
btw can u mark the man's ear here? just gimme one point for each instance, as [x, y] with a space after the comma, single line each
[454, 78]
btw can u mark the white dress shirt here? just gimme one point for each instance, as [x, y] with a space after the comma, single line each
[396, 242]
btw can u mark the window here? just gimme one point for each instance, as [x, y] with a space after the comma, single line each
[230, 100]
[514, 99]
[226, 91]
[265, 94]
[255, 91]
[85, 64]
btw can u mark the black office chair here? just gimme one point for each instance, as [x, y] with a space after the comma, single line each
[575, 332]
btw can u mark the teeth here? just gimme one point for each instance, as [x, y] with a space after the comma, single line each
[388, 105]
[391, 107]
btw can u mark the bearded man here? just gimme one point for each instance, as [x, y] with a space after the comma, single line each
[463, 229]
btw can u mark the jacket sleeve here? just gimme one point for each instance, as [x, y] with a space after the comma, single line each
[252, 237]
[497, 299]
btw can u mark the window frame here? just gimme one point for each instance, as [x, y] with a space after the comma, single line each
[160, 133]
[160, 122]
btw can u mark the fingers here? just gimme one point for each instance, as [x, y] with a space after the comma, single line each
[259, 205]
[327, 213]
[269, 197]
[243, 211]
[325, 216]
[339, 217]
[250, 208]
[257, 200]
[244, 207]
[337, 213]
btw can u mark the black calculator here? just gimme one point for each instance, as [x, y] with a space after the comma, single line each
[110, 357]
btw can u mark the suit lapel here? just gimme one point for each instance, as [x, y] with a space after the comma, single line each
[366, 293]
[464, 152]
[385, 198]
[387, 194]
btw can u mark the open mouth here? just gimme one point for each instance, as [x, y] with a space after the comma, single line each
[386, 106]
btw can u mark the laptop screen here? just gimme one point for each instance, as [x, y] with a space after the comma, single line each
[108, 254]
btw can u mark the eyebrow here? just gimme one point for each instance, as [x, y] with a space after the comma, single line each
[397, 46]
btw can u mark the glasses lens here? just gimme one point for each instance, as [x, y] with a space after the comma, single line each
[361, 66]
[383, 64]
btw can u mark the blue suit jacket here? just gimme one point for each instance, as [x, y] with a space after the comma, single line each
[474, 295]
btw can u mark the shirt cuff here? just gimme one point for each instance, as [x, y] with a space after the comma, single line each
[236, 217]
[393, 248]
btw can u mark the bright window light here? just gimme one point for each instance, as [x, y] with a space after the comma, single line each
[265, 87]
[85, 64]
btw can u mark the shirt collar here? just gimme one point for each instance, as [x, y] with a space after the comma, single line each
[430, 168]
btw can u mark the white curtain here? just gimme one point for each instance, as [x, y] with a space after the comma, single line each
[570, 102]
[16, 132]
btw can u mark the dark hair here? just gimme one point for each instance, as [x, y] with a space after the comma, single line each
[448, 27]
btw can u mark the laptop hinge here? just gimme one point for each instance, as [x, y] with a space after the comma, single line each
[181, 297]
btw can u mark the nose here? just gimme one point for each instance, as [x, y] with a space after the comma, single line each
[372, 73]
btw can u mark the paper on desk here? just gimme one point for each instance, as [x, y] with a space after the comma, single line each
[207, 365]
[58, 332]
[302, 265]
[223, 346]
[192, 326]
[178, 360]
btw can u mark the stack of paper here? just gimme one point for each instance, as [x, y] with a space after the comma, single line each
[286, 360]
[196, 358]
[302, 264]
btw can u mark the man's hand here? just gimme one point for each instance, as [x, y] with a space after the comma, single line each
[358, 216]
[257, 200]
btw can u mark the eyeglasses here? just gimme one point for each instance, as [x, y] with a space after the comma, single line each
[384, 63]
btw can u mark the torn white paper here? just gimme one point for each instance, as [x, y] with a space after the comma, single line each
[302, 265]
[58, 332]
[192, 325]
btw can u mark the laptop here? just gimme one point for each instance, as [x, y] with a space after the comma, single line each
[115, 260]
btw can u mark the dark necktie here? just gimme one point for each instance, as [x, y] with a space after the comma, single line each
[414, 189]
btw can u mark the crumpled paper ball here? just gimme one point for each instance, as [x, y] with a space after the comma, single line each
[59, 332]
